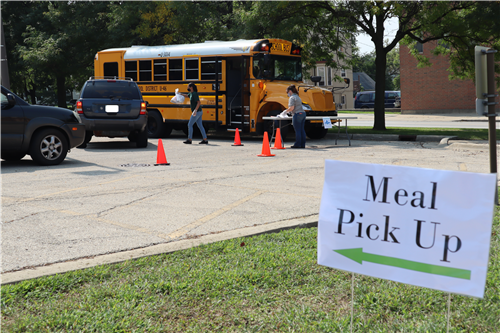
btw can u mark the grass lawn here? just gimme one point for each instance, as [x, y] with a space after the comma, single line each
[266, 283]
[461, 133]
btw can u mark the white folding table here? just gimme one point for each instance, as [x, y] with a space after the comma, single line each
[280, 119]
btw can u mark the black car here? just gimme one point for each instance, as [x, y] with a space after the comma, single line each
[44, 132]
[113, 108]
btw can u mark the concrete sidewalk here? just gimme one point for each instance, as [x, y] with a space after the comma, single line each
[447, 120]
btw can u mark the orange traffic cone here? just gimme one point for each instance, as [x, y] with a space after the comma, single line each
[266, 152]
[161, 159]
[237, 141]
[277, 140]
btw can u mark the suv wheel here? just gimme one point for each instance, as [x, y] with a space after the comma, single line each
[156, 126]
[12, 156]
[142, 139]
[48, 147]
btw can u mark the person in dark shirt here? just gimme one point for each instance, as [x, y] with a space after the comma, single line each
[195, 103]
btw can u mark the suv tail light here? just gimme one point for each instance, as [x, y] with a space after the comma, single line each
[143, 108]
[79, 107]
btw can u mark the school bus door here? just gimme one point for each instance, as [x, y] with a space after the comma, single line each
[109, 64]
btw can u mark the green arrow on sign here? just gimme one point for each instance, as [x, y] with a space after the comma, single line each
[359, 256]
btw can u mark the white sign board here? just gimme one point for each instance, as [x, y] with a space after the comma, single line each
[429, 228]
[327, 123]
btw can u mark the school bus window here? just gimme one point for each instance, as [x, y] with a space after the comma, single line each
[145, 70]
[110, 69]
[191, 69]
[160, 70]
[131, 69]
[175, 69]
[208, 69]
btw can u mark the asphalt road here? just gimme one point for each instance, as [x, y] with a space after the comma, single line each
[111, 198]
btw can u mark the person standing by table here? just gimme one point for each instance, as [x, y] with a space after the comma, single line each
[195, 103]
[299, 116]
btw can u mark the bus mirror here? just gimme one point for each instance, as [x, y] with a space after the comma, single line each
[347, 80]
[315, 79]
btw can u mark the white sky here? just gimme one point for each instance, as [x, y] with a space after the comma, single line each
[365, 43]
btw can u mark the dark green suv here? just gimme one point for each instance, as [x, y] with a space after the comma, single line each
[44, 132]
[112, 108]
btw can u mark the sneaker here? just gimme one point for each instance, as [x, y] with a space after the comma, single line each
[204, 142]
[187, 142]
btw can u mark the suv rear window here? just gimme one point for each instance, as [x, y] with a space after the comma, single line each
[111, 90]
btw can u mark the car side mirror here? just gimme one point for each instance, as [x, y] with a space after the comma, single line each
[11, 99]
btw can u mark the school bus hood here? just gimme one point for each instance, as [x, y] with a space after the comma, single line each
[317, 98]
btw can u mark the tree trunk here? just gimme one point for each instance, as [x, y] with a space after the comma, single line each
[380, 67]
[61, 91]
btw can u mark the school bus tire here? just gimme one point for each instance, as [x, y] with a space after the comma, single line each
[268, 125]
[316, 132]
[155, 127]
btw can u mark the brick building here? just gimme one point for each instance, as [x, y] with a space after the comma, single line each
[428, 89]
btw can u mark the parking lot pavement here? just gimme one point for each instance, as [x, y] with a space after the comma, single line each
[110, 197]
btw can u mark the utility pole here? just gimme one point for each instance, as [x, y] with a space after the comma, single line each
[5, 68]
[485, 99]
[492, 133]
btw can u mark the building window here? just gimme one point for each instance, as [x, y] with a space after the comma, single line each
[191, 66]
[160, 67]
[342, 100]
[321, 72]
[175, 69]
[131, 69]
[145, 70]
[329, 71]
[342, 72]
[419, 47]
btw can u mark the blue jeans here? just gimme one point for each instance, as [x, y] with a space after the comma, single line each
[196, 119]
[299, 123]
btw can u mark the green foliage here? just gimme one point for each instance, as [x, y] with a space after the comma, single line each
[457, 29]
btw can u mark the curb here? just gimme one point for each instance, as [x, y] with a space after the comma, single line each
[67, 266]
[396, 137]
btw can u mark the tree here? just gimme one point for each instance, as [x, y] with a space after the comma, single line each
[418, 20]
[366, 63]
[53, 44]
[457, 34]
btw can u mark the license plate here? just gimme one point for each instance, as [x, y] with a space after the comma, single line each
[112, 108]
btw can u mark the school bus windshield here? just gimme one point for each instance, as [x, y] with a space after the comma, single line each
[275, 67]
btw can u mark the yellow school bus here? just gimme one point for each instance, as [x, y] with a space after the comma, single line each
[239, 82]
